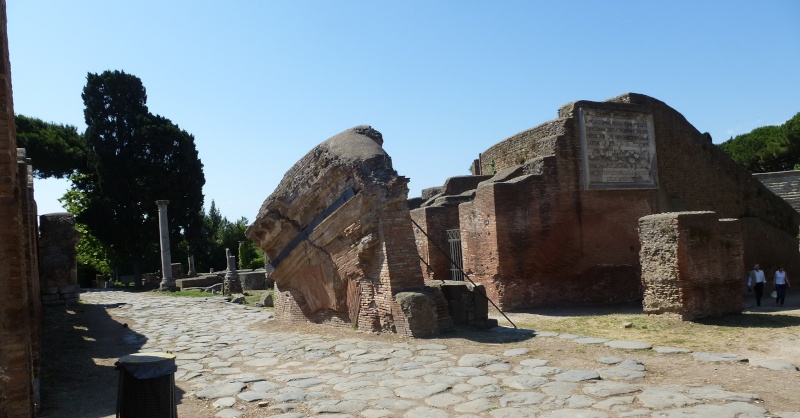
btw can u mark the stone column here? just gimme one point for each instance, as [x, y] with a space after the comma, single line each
[192, 271]
[167, 282]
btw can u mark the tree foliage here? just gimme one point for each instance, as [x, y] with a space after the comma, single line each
[55, 150]
[218, 234]
[768, 148]
[133, 159]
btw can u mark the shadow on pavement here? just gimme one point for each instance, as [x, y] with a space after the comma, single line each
[80, 345]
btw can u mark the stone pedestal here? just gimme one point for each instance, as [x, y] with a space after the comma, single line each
[232, 283]
[167, 282]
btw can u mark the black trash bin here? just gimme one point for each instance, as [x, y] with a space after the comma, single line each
[147, 386]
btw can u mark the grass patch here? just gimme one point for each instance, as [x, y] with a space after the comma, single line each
[253, 296]
[718, 334]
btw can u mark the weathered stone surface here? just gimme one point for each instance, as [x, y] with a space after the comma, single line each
[724, 357]
[421, 391]
[671, 350]
[337, 232]
[774, 365]
[221, 390]
[576, 376]
[690, 264]
[665, 397]
[629, 345]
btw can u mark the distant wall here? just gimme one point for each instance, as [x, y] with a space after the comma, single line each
[785, 184]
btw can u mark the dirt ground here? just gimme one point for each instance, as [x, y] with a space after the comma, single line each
[81, 344]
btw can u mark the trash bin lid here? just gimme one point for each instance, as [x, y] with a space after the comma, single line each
[146, 358]
[148, 365]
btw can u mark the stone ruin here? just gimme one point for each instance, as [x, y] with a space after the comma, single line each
[58, 259]
[691, 264]
[552, 215]
[339, 237]
[556, 215]
[21, 315]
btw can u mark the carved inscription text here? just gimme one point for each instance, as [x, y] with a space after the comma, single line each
[618, 150]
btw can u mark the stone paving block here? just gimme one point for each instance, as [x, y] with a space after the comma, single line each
[421, 391]
[476, 406]
[775, 365]
[478, 360]
[426, 412]
[629, 345]
[514, 412]
[221, 390]
[576, 375]
[521, 398]
[717, 357]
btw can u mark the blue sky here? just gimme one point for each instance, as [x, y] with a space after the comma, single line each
[260, 83]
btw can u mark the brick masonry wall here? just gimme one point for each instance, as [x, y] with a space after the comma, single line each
[785, 184]
[766, 245]
[340, 228]
[58, 258]
[17, 397]
[694, 174]
[534, 236]
[31, 232]
[435, 221]
[536, 142]
[690, 264]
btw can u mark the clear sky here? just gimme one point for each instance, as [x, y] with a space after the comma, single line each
[260, 83]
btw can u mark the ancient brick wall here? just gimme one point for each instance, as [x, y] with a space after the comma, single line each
[768, 246]
[785, 184]
[693, 173]
[435, 221]
[534, 235]
[17, 373]
[527, 145]
[690, 264]
[31, 232]
[338, 233]
[58, 259]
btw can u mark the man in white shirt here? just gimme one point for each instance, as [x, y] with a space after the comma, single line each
[756, 281]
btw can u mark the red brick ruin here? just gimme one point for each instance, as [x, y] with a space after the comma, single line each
[561, 214]
[337, 232]
[20, 309]
[551, 217]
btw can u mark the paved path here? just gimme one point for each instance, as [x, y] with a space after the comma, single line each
[243, 372]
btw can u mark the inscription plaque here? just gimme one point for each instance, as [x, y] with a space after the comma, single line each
[619, 150]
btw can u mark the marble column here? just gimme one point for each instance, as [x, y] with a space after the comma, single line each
[167, 282]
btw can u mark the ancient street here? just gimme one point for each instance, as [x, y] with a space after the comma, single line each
[229, 367]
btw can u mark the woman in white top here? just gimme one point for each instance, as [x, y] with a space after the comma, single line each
[781, 283]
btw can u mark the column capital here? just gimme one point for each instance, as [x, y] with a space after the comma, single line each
[162, 202]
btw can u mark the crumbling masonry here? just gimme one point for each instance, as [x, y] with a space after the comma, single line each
[337, 232]
[556, 222]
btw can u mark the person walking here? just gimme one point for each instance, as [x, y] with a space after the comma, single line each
[781, 283]
[757, 281]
